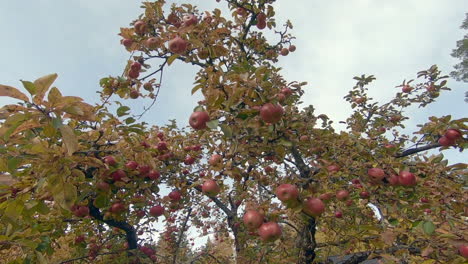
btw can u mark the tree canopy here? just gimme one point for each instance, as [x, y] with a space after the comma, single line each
[270, 178]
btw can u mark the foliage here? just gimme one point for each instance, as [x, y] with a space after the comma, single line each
[85, 178]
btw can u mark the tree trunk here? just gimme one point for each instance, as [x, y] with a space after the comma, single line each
[306, 242]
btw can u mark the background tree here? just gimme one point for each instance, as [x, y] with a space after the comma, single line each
[461, 52]
[255, 165]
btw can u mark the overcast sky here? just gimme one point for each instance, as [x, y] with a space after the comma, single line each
[336, 40]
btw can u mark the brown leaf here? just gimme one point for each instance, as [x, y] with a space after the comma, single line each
[9, 91]
[42, 85]
[427, 251]
[388, 237]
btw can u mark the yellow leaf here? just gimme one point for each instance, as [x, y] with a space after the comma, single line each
[25, 126]
[42, 85]
[12, 92]
[54, 96]
[69, 139]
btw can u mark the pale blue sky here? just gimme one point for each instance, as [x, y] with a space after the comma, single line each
[336, 40]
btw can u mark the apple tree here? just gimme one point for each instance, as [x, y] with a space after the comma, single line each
[252, 166]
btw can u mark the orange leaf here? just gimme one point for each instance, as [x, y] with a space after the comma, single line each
[12, 92]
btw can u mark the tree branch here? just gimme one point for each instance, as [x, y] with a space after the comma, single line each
[129, 229]
[416, 150]
[181, 234]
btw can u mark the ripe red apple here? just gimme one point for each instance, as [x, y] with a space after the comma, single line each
[313, 206]
[338, 214]
[156, 211]
[144, 169]
[407, 178]
[127, 43]
[292, 48]
[140, 27]
[269, 231]
[342, 194]
[463, 250]
[215, 159]
[118, 175]
[145, 144]
[287, 192]
[210, 188]
[189, 160]
[284, 52]
[189, 20]
[261, 21]
[196, 147]
[198, 120]
[453, 134]
[152, 43]
[364, 194]
[424, 200]
[154, 175]
[140, 213]
[406, 88]
[281, 97]
[162, 145]
[252, 219]
[333, 168]
[103, 186]
[131, 165]
[326, 196]
[135, 66]
[355, 181]
[177, 45]
[79, 239]
[271, 113]
[110, 160]
[80, 211]
[446, 142]
[393, 180]
[134, 94]
[133, 74]
[286, 91]
[376, 174]
[175, 196]
[117, 207]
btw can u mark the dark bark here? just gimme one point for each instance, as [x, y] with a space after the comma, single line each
[307, 243]
[130, 231]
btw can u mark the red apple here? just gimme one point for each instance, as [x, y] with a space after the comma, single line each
[175, 196]
[189, 160]
[407, 178]
[103, 186]
[406, 88]
[292, 48]
[338, 214]
[241, 11]
[117, 208]
[134, 94]
[152, 43]
[154, 175]
[271, 113]
[313, 206]
[118, 175]
[161, 146]
[198, 120]
[376, 174]
[156, 211]
[135, 66]
[364, 194]
[140, 27]
[261, 21]
[453, 134]
[110, 160]
[252, 219]
[210, 188]
[269, 231]
[131, 165]
[333, 168]
[177, 45]
[463, 250]
[342, 194]
[326, 196]
[284, 52]
[393, 180]
[127, 43]
[215, 159]
[189, 20]
[133, 74]
[287, 192]
[446, 142]
[424, 200]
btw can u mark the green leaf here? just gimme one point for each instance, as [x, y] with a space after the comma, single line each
[285, 142]
[130, 120]
[69, 139]
[226, 130]
[196, 88]
[428, 227]
[29, 86]
[213, 124]
[172, 58]
[42, 86]
[393, 221]
[121, 111]
[101, 201]
[13, 164]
